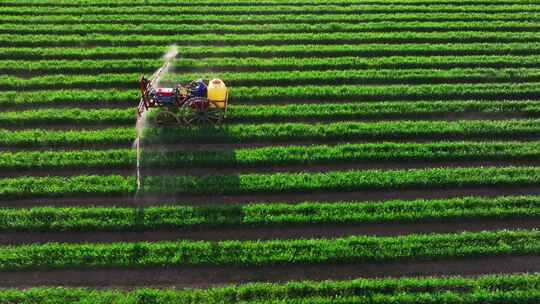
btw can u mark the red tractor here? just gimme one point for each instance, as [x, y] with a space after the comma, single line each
[197, 103]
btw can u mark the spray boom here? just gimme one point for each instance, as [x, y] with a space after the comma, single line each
[200, 102]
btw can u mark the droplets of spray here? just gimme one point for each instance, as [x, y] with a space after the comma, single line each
[166, 67]
[142, 120]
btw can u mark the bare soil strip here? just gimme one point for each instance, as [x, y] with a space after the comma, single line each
[244, 234]
[366, 195]
[206, 276]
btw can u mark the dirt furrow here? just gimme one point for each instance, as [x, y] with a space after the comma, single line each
[365, 195]
[207, 276]
[267, 233]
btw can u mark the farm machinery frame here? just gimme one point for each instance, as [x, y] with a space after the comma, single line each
[200, 102]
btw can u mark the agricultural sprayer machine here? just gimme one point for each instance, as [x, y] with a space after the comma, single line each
[200, 102]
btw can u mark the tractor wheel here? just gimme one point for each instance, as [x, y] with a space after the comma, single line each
[201, 112]
[167, 118]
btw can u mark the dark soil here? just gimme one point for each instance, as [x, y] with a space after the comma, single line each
[369, 195]
[215, 276]
[246, 233]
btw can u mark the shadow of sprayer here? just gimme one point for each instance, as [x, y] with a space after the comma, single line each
[178, 164]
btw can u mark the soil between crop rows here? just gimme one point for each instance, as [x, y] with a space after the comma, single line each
[214, 276]
[298, 232]
[370, 195]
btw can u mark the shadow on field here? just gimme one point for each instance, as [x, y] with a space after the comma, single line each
[167, 153]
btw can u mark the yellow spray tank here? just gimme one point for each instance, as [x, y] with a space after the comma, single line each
[217, 93]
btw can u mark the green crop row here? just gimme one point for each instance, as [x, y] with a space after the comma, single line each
[338, 181]
[494, 91]
[177, 29]
[403, 298]
[378, 110]
[307, 18]
[516, 288]
[52, 138]
[78, 117]
[274, 9]
[341, 181]
[294, 50]
[343, 131]
[56, 219]
[274, 156]
[279, 132]
[345, 153]
[71, 81]
[203, 3]
[69, 117]
[356, 249]
[228, 64]
[285, 78]
[267, 113]
[53, 186]
[287, 113]
[306, 94]
[15, 40]
[284, 132]
[77, 159]
[314, 63]
[232, 294]
[118, 66]
[112, 97]
[240, 10]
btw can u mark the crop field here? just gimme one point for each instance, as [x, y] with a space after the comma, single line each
[375, 151]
